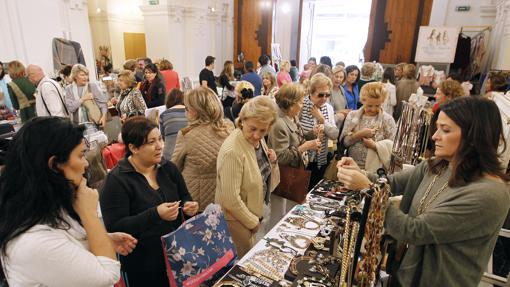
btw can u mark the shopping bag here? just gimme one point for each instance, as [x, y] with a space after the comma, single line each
[200, 251]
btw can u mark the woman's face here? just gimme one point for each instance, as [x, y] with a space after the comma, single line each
[123, 85]
[266, 82]
[74, 167]
[81, 78]
[149, 75]
[447, 137]
[372, 106]
[296, 108]
[352, 77]
[440, 97]
[254, 130]
[398, 73]
[338, 79]
[152, 150]
[321, 96]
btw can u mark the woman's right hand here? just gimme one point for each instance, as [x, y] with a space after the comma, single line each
[366, 133]
[168, 210]
[86, 200]
[348, 162]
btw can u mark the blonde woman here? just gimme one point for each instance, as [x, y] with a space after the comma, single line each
[21, 91]
[283, 76]
[130, 102]
[247, 172]
[366, 128]
[82, 90]
[269, 87]
[197, 145]
[244, 91]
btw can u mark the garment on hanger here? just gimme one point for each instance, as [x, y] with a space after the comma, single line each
[426, 75]
[439, 76]
[462, 53]
[478, 51]
[66, 52]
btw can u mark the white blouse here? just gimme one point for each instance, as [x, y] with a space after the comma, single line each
[46, 256]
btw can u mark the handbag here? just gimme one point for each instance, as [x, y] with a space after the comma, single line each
[200, 251]
[332, 170]
[92, 110]
[293, 183]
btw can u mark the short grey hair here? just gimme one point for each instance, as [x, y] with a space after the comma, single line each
[78, 68]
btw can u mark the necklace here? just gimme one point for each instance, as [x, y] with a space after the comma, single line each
[423, 206]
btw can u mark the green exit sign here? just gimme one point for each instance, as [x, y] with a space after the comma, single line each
[462, 8]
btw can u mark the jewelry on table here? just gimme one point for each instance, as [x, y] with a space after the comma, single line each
[345, 255]
[227, 283]
[295, 240]
[302, 223]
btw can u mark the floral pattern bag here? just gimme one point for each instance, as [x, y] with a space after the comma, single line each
[200, 251]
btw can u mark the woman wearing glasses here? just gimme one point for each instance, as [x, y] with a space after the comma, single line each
[318, 117]
[370, 129]
[146, 197]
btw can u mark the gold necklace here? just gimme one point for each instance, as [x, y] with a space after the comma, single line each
[423, 206]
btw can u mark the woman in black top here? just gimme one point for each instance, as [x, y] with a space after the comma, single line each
[152, 88]
[147, 197]
[227, 76]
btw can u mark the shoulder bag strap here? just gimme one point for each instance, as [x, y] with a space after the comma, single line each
[59, 96]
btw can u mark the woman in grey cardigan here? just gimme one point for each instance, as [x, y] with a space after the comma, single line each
[453, 206]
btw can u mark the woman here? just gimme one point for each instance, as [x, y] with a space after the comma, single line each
[338, 100]
[406, 86]
[269, 87]
[130, 102]
[366, 75]
[370, 129]
[21, 91]
[244, 91]
[226, 80]
[283, 76]
[351, 87]
[294, 71]
[152, 88]
[80, 91]
[447, 91]
[50, 232]
[3, 88]
[399, 71]
[388, 79]
[197, 146]
[247, 172]
[318, 117]
[143, 195]
[454, 205]
[170, 76]
[172, 120]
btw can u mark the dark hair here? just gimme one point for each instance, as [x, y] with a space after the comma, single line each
[263, 60]
[481, 133]
[246, 94]
[293, 63]
[322, 68]
[388, 75]
[2, 74]
[175, 97]
[151, 67]
[498, 81]
[249, 66]
[209, 60]
[147, 61]
[455, 77]
[351, 68]
[31, 192]
[66, 70]
[135, 131]
[326, 61]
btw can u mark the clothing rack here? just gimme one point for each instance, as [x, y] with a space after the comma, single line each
[475, 29]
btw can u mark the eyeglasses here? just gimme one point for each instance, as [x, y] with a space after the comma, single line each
[322, 95]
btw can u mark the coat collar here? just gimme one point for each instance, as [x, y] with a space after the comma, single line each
[290, 124]
[126, 166]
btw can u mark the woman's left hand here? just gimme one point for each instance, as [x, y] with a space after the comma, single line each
[123, 243]
[272, 155]
[369, 143]
[102, 123]
[190, 208]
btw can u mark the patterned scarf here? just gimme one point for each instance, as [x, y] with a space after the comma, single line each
[307, 123]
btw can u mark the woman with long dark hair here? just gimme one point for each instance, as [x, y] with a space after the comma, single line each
[50, 232]
[152, 88]
[454, 205]
[351, 87]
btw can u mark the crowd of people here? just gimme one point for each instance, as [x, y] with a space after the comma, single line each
[228, 148]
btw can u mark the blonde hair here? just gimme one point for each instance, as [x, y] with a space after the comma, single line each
[127, 77]
[164, 64]
[244, 96]
[261, 109]
[78, 68]
[409, 71]
[208, 109]
[375, 90]
[129, 65]
[16, 69]
[289, 95]
[319, 80]
[269, 76]
[284, 64]
[367, 70]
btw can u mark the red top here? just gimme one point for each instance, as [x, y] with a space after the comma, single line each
[171, 80]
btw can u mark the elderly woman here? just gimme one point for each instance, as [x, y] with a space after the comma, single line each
[244, 91]
[152, 88]
[318, 117]
[283, 76]
[447, 91]
[169, 75]
[81, 91]
[269, 87]
[144, 195]
[247, 172]
[338, 100]
[351, 87]
[366, 75]
[172, 120]
[454, 205]
[406, 86]
[130, 102]
[197, 146]
[366, 129]
[21, 91]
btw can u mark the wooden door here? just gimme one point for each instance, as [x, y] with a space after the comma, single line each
[134, 45]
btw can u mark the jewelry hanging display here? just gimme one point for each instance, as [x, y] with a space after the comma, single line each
[345, 255]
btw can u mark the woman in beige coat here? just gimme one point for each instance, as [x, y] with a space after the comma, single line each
[247, 172]
[197, 145]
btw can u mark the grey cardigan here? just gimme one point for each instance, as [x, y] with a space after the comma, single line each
[451, 241]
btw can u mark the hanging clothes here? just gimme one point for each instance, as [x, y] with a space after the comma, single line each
[66, 52]
[462, 53]
[426, 75]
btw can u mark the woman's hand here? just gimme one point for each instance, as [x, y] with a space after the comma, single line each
[366, 133]
[123, 242]
[168, 210]
[254, 230]
[310, 145]
[102, 122]
[352, 179]
[347, 162]
[316, 113]
[190, 208]
[86, 201]
[272, 155]
[369, 143]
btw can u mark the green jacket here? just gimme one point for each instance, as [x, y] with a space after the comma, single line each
[24, 101]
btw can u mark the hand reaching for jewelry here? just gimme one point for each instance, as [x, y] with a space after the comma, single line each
[352, 179]
[272, 155]
[369, 143]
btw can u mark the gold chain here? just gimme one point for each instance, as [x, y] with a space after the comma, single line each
[423, 206]
[345, 255]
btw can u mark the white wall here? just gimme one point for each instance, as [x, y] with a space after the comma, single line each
[285, 27]
[28, 27]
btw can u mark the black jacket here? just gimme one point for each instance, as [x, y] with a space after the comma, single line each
[129, 204]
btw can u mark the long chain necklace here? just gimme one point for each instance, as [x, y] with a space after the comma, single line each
[345, 255]
[423, 206]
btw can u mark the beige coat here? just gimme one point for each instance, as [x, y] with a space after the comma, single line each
[195, 155]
